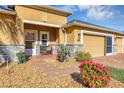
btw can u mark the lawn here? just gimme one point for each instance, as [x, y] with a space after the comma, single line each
[117, 74]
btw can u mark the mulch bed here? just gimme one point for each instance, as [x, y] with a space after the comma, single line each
[26, 76]
[64, 64]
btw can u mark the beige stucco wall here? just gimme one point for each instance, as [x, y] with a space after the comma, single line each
[53, 33]
[70, 35]
[118, 42]
[61, 36]
[10, 33]
[37, 15]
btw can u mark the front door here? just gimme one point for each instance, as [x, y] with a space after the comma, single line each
[44, 38]
[30, 38]
[109, 45]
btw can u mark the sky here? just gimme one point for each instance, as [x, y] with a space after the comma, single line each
[103, 15]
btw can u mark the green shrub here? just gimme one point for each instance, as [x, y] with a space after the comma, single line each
[81, 56]
[20, 56]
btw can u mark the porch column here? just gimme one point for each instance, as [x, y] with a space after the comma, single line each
[123, 44]
[81, 38]
[65, 38]
[37, 44]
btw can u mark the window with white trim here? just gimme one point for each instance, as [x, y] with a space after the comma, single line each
[30, 38]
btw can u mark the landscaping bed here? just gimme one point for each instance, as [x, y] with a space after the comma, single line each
[26, 76]
[65, 64]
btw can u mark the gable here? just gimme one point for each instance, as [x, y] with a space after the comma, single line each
[26, 13]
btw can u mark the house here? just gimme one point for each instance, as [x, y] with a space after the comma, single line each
[39, 29]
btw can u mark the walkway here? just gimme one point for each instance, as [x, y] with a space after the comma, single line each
[42, 63]
[48, 70]
[114, 61]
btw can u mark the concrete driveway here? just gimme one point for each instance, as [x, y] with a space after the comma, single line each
[113, 61]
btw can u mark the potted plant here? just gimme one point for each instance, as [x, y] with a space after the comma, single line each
[61, 57]
[20, 57]
[62, 53]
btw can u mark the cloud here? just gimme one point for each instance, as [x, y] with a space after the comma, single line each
[69, 8]
[92, 12]
[120, 23]
[100, 12]
[83, 7]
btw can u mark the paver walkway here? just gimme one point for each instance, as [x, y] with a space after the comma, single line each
[52, 72]
[48, 70]
[113, 61]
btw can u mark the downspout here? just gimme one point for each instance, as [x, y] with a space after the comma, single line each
[65, 36]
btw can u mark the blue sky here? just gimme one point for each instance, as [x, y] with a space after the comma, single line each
[103, 15]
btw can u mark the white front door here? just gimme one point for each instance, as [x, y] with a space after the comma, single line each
[30, 39]
[44, 38]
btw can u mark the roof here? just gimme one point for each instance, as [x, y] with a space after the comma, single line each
[89, 25]
[49, 9]
[7, 12]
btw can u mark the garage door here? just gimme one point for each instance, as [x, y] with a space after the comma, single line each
[119, 45]
[94, 45]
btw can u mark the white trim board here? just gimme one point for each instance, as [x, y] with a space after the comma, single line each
[96, 33]
[41, 23]
[81, 39]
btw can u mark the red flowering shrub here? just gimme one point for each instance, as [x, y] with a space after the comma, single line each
[94, 74]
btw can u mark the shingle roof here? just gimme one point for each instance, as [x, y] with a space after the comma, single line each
[90, 25]
[5, 9]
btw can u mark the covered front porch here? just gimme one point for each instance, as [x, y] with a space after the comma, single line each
[41, 38]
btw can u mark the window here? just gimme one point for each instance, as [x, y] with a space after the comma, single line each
[44, 39]
[109, 44]
[30, 38]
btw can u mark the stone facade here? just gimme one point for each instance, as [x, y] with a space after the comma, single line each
[73, 48]
[10, 52]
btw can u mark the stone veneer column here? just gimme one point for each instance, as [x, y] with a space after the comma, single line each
[73, 47]
[11, 51]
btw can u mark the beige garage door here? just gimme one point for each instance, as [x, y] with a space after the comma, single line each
[119, 45]
[94, 45]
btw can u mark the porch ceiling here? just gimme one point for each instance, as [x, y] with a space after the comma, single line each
[41, 23]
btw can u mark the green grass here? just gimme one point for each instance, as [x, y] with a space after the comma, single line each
[117, 73]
